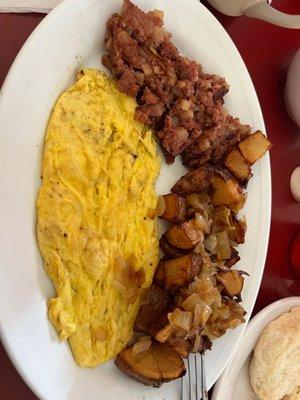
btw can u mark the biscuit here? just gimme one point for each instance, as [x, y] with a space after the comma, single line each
[275, 366]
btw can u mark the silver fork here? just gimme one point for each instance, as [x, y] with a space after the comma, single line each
[193, 384]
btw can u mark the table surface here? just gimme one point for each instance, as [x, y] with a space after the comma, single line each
[267, 51]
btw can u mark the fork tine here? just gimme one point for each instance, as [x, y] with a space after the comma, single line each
[203, 379]
[196, 376]
[194, 382]
[190, 384]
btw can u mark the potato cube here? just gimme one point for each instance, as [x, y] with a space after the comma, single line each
[253, 147]
[232, 282]
[169, 250]
[185, 235]
[175, 208]
[237, 165]
[181, 271]
[238, 206]
[227, 190]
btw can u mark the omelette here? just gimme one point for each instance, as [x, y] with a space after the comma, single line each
[95, 228]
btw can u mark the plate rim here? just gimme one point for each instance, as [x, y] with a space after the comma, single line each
[30, 43]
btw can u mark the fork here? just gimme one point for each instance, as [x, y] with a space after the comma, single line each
[193, 384]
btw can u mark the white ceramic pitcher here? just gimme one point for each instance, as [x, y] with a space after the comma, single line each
[260, 9]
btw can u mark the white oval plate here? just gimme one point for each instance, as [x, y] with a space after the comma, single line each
[234, 383]
[69, 38]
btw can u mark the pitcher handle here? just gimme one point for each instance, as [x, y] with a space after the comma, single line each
[263, 10]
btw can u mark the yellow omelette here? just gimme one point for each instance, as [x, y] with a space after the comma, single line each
[98, 176]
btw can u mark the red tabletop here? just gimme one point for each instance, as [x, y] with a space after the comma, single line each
[267, 51]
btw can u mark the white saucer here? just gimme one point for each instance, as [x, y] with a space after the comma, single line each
[234, 382]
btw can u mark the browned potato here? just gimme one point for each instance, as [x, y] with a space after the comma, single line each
[239, 233]
[185, 235]
[234, 259]
[151, 324]
[181, 346]
[159, 275]
[227, 190]
[169, 250]
[167, 357]
[181, 271]
[194, 181]
[232, 282]
[237, 165]
[253, 147]
[153, 316]
[141, 367]
[152, 367]
[175, 208]
[238, 206]
[164, 334]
